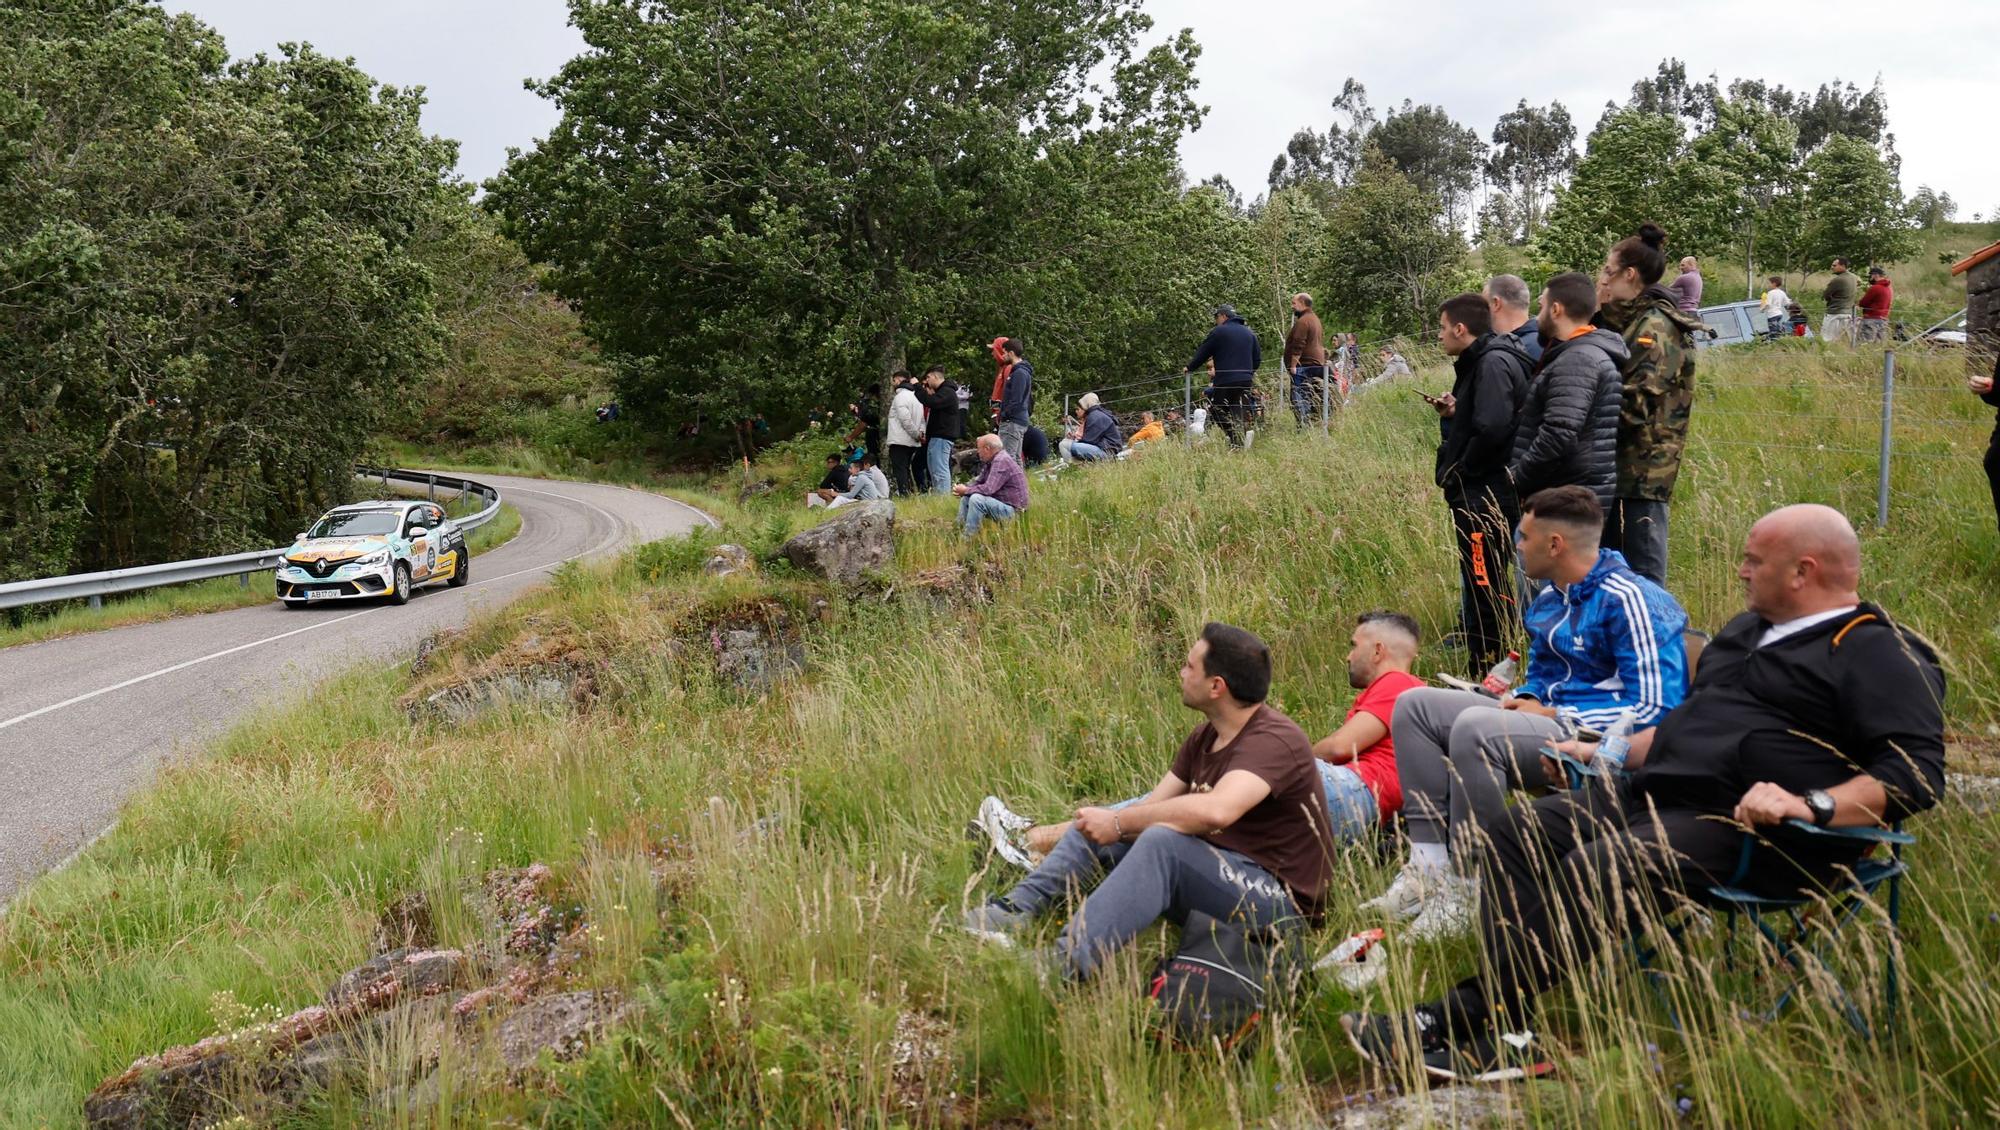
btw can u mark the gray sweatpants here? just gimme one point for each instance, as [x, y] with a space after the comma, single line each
[1161, 874]
[1458, 754]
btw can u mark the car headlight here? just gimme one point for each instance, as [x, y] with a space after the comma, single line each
[378, 557]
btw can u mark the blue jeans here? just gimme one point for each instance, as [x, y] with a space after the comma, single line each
[937, 453]
[976, 508]
[1306, 381]
[1350, 805]
[1161, 874]
[1086, 452]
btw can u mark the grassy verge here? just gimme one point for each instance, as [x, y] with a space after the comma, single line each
[784, 974]
[218, 595]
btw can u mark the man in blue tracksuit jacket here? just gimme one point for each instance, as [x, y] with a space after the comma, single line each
[1601, 640]
[1233, 347]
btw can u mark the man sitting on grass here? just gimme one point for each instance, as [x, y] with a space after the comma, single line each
[1809, 706]
[1356, 763]
[867, 483]
[1236, 828]
[999, 492]
[1601, 640]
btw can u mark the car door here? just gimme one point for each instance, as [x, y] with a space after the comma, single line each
[423, 551]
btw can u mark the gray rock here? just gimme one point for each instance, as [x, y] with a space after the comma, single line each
[1440, 1106]
[856, 539]
[727, 561]
[401, 974]
[754, 658]
[548, 688]
[563, 1025]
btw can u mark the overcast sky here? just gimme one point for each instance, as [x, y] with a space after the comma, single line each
[1269, 67]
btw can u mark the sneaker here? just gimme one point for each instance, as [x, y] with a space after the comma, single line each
[997, 922]
[1419, 1039]
[1406, 895]
[1000, 827]
[1450, 913]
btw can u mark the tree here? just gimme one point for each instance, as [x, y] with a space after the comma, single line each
[1534, 152]
[1392, 256]
[1439, 156]
[1331, 159]
[1929, 208]
[208, 296]
[748, 201]
[1852, 207]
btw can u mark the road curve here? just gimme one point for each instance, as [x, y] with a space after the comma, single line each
[86, 720]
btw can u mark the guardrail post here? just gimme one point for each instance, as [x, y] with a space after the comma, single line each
[96, 602]
[242, 580]
[431, 488]
[1888, 422]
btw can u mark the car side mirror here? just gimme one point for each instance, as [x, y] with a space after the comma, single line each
[417, 532]
[300, 536]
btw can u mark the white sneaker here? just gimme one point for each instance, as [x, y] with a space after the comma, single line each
[1000, 825]
[1450, 913]
[1407, 894]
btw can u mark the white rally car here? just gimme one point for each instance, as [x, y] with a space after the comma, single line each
[371, 549]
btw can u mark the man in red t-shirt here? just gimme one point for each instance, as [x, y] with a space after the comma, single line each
[1236, 829]
[1357, 763]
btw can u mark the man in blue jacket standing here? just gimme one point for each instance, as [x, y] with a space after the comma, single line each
[1602, 640]
[1016, 398]
[1237, 356]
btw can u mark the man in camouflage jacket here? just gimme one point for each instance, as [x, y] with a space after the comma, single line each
[1652, 423]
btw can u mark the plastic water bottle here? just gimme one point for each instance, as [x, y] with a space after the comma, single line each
[1503, 675]
[1617, 743]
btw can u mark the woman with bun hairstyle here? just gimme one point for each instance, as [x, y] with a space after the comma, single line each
[1659, 393]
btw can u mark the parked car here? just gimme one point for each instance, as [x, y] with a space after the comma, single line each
[374, 549]
[1732, 323]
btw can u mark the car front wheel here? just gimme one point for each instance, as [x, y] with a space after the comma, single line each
[461, 569]
[399, 593]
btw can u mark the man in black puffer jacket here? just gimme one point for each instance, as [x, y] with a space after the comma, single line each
[1568, 430]
[1490, 378]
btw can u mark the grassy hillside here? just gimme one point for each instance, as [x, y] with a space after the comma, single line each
[806, 972]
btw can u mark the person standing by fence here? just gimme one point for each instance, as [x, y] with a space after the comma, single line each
[1233, 347]
[944, 423]
[1686, 286]
[1777, 307]
[1658, 395]
[1017, 396]
[1875, 304]
[1838, 325]
[1988, 389]
[1305, 357]
[906, 429]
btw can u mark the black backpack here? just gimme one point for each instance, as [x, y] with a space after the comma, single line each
[1219, 984]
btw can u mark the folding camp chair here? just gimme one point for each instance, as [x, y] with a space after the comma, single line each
[1802, 950]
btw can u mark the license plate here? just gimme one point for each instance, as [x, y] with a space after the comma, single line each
[321, 594]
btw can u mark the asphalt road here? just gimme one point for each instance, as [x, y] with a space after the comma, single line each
[86, 720]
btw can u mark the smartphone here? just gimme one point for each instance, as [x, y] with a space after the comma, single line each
[1428, 398]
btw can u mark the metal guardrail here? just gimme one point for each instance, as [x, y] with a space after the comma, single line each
[95, 586]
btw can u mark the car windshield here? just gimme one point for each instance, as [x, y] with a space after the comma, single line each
[354, 524]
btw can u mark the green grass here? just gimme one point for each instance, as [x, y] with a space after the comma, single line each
[219, 595]
[775, 970]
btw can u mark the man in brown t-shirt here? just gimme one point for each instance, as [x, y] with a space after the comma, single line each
[1237, 829]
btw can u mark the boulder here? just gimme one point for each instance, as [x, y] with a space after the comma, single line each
[400, 974]
[727, 561]
[856, 539]
[563, 1025]
[755, 657]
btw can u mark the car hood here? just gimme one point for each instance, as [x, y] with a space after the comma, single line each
[334, 549]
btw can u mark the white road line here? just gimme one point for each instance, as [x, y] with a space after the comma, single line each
[617, 529]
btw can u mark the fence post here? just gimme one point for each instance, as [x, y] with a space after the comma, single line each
[1325, 401]
[1888, 420]
[1187, 407]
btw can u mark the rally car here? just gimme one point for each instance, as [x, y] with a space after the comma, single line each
[373, 549]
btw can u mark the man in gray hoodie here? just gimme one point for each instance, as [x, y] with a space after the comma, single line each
[1568, 428]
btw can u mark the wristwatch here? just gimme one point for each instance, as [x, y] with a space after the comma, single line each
[1821, 803]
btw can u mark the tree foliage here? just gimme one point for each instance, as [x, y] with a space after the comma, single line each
[1534, 152]
[1439, 155]
[1391, 254]
[207, 291]
[757, 204]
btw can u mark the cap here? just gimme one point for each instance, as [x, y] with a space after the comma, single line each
[1225, 311]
